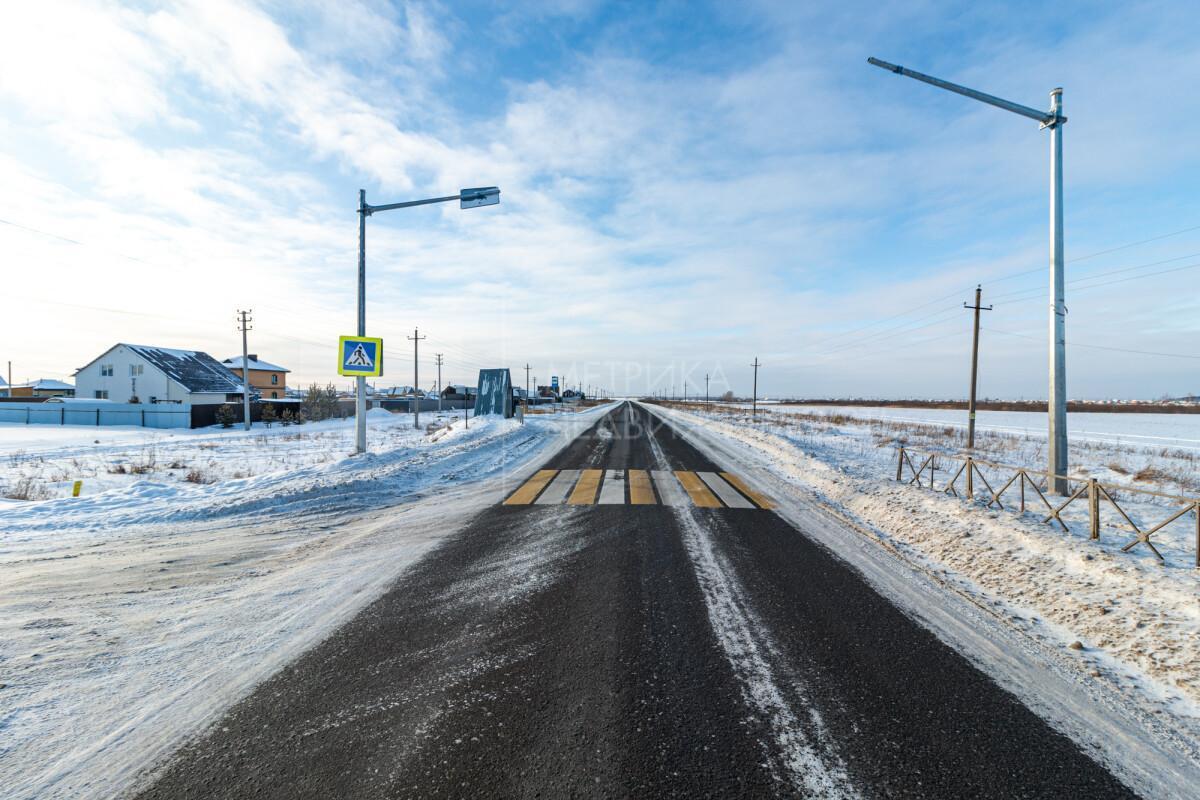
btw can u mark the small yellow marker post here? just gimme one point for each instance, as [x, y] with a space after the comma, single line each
[76, 488]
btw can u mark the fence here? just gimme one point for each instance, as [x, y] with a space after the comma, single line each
[147, 416]
[1095, 492]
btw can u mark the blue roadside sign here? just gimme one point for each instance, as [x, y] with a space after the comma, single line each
[360, 356]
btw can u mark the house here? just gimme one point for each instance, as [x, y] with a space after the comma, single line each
[43, 387]
[459, 391]
[269, 380]
[133, 373]
[3, 388]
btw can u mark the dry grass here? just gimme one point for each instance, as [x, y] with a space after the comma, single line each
[27, 488]
[197, 475]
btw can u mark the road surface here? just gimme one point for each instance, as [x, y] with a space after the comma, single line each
[633, 621]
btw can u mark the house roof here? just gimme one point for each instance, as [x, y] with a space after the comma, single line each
[194, 370]
[254, 363]
[42, 384]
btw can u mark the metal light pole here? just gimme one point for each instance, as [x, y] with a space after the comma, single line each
[1054, 120]
[468, 198]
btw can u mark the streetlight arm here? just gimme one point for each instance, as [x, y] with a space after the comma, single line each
[1046, 118]
[470, 198]
[409, 204]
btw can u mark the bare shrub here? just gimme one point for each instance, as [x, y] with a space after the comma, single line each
[1151, 474]
[117, 469]
[27, 488]
[197, 475]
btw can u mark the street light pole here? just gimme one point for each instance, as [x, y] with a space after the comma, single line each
[360, 396]
[467, 198]
[1054, 120]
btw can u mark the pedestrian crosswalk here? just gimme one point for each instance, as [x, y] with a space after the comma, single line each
[677, 488]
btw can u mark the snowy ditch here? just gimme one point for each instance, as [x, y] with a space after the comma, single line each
[132, 617]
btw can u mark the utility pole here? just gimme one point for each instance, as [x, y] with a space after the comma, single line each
[974, 367]
[706, 403]
[754, 401]
[440, 361]
[416, 340]
[1052, 120]
[527, 368]
[245, 328]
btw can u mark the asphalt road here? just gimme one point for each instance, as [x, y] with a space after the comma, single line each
[619, 650]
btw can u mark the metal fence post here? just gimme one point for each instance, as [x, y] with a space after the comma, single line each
[1094, 508]
[970, 479]
[900, 464]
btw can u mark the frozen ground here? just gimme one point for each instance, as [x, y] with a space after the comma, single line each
[131, 617]
[1137, 621]
[43, 461]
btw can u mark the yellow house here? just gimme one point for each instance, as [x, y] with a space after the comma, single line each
[269, 380]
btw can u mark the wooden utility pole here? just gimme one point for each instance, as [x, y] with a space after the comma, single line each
[754, 402]
[244, 327]
[706, 403]
[440, 361]
[527, 368]
[974, 367]
[416, 340]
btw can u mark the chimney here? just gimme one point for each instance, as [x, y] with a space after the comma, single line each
[252, 356]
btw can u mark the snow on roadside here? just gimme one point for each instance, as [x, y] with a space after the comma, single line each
[132, 618]
[1138, 621]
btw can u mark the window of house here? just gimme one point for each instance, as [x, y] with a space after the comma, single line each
[102, 394]
[274, 395]
[106, 370]
[274, 379]
[135, 370]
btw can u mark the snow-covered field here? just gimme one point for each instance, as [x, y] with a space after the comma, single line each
[1135, 622]
[46, 460]
[132, 616]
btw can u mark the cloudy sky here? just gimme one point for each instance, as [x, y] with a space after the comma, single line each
[686, 186]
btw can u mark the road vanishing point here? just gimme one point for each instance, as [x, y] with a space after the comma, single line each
[631, 620]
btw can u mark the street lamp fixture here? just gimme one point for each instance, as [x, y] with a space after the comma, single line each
[1053, 120]
[467, 198]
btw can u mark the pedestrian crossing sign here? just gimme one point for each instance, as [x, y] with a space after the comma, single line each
[360, 356]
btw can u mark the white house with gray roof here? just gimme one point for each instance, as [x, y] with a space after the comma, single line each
[132, 373]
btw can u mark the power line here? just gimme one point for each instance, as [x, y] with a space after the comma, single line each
[1099, 347]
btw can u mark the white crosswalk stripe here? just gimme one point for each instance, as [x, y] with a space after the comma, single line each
[556, 492]
[612, 493]
[729, 496]
[668, 488]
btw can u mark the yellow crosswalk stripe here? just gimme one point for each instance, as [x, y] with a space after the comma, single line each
[585, 490]
[759, 499]
[696, 489]
[524, 496]
[640, 493]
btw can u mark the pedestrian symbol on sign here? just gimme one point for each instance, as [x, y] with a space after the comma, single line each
[360, 356]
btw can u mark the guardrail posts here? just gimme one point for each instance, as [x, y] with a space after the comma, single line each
[1093, 509]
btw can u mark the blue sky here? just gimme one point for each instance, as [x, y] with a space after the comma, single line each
[686, 186]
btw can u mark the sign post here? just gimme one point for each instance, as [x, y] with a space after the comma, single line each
[360, 357]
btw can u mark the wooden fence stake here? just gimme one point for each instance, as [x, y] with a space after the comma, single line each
[1093, 509]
